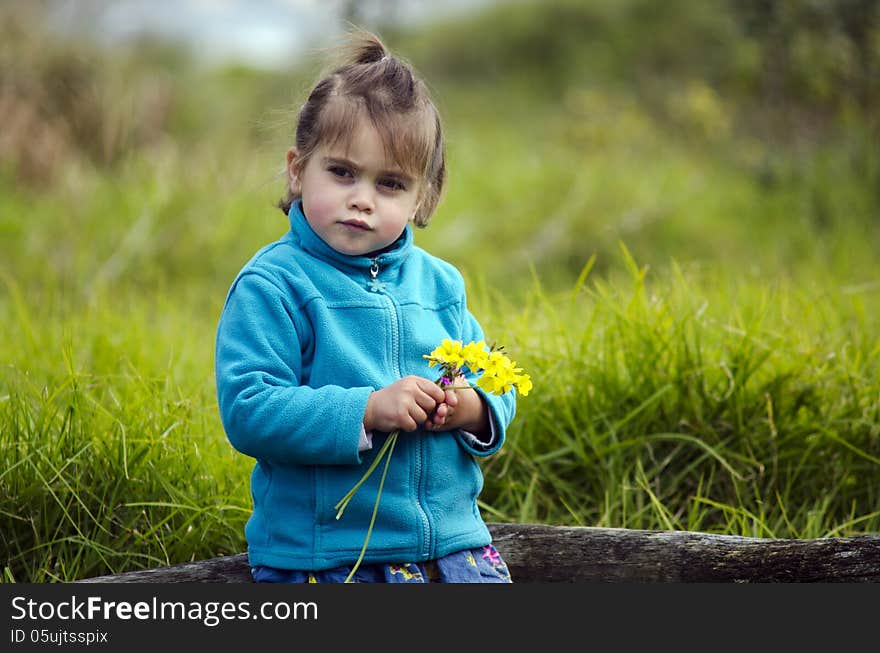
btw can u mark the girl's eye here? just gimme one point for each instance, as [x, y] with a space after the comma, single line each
[339, 171]
[392, 184]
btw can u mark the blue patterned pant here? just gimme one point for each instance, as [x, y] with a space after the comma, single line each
[480, 565]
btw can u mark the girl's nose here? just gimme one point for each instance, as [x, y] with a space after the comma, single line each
[361, 198]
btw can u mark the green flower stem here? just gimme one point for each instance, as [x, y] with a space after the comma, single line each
[343, 502]
[393, 439]
[384, 452]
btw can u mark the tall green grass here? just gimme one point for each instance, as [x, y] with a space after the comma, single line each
[110, 452]
[694, 400]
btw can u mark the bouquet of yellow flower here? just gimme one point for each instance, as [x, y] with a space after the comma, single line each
[498, 374]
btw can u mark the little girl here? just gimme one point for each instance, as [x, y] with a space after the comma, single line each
[320, 351]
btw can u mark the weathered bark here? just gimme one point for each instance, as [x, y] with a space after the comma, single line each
[538, 553]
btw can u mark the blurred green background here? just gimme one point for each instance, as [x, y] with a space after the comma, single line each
[725, 153]
[741, 134]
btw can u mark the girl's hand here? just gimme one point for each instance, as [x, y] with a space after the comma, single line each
[462, 409]
[403, 405]
[441, 418]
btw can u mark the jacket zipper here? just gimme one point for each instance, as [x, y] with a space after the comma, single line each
[378, 287]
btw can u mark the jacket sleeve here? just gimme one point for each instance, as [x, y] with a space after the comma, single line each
[266, 411]
[502, 408]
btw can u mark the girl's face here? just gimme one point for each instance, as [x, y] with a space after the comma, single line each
[355, 198]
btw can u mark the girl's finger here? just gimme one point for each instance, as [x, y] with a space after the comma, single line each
[426, 402]
[431, 389]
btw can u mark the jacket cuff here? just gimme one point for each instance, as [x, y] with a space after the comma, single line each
[365, 441]
[479, 444]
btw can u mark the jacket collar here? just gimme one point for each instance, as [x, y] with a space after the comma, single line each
[312, 243]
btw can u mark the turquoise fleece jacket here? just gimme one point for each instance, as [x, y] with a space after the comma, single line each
[306, 334]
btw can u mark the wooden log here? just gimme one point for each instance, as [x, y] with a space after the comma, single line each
[538, 553]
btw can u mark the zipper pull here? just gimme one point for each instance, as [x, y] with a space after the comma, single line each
[374, 284]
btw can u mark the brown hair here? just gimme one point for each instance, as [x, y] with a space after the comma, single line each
[372, 82]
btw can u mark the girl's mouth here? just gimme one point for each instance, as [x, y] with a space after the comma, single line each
[356, 225]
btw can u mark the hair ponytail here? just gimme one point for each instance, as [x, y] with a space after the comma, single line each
[364, 48]
[359, 48]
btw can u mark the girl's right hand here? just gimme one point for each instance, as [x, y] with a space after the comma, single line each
[403, 405]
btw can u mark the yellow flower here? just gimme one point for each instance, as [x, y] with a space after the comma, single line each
[496, 363]
[449, 351]
[523, 384]
[475, 354]
[487, 383]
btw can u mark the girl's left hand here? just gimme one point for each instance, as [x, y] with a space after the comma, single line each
[442, 419]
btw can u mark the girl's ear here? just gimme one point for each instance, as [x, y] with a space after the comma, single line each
[294, 171]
